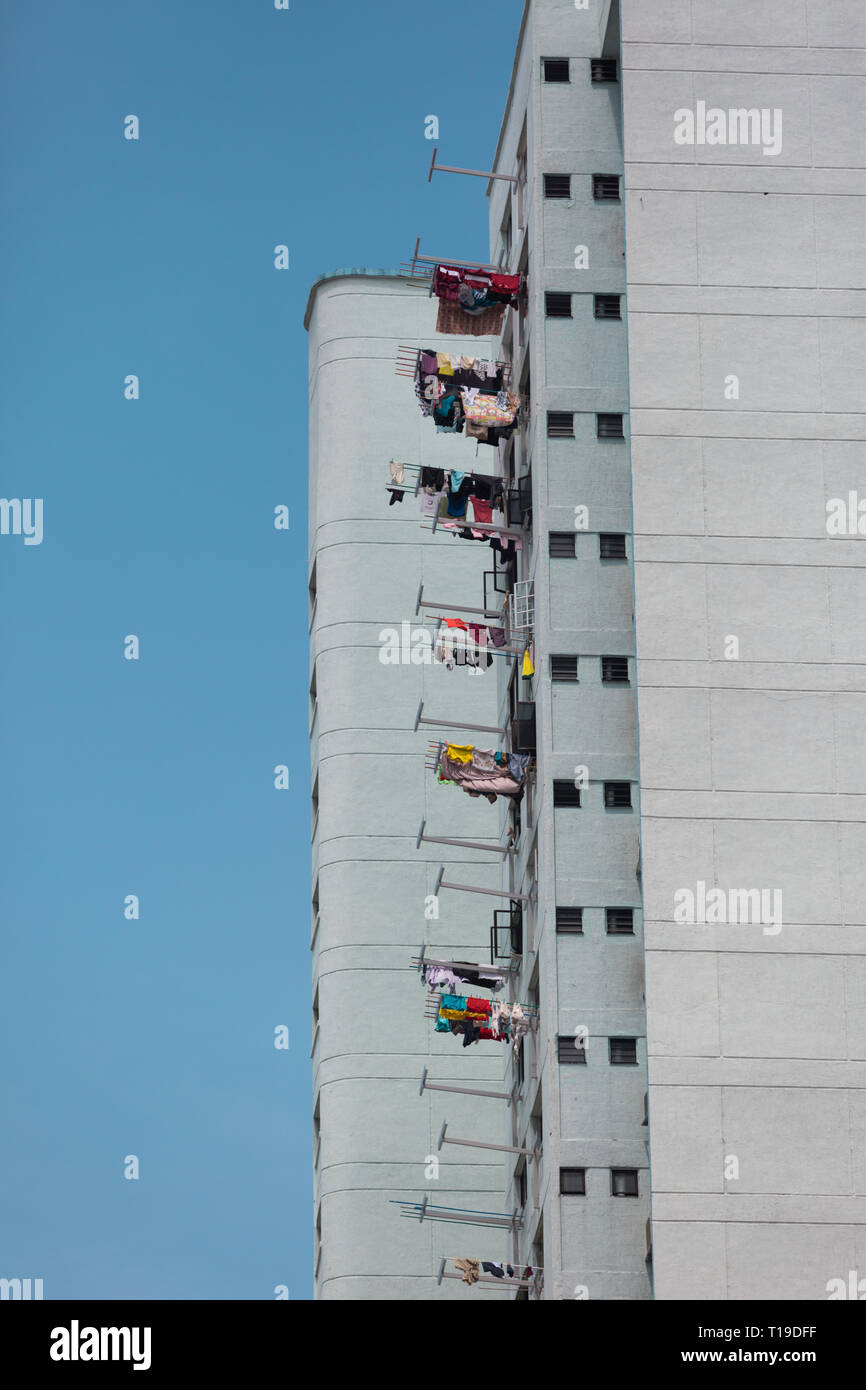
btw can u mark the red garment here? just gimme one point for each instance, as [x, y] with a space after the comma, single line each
[479, 1006]
[482, 511]
[506, 284]
[455, 622]
[490, 1035]
[447, 280]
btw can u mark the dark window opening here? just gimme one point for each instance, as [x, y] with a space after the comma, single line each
[565, 794]
[570, 1050]
[563, 668]
[607, 306]
[572, 1182]
[605, 188]
[557, 305]
[623, 1182]
[603, 69]
[559, 186]
[555, 69]
[611, 546]
[569, 919]
[609, 427]
[560, 424]
[623, 1051]
[620, 921]
[617, 795]
[614, 670]
[560, 545]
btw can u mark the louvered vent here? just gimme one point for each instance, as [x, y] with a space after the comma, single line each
[563, 668]
[559, 185]
[602, 69]
[560, 424]
[617, 795]
[570, 919]
[566, 794]
[609, 427]
[614, 669]
[620, 921]
[557, 305]
[605, 188]
[611, 547]
[561, 545]
[607, 306]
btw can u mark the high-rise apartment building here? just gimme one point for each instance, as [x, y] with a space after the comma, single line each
[681, 185]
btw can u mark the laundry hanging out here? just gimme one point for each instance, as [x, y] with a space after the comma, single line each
[447, 497]
[483, 771]
[462, 973]
[485, 415]
[472, 301]
[447, 494]
[466, 644]
[482, 1020]
[471, 1269]
[454, 370]
[467, 1018]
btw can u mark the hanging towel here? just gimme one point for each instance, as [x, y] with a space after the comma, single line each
[528, 668]
[452, 321]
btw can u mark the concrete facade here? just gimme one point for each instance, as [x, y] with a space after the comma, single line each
[747, 361]
[374, 1136]
[589, 1117]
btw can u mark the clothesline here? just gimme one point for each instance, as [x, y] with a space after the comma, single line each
[496, 1272]
[493, 480]
[444, 497]
[470, 644]
[408, 361]
[422, 961]
[434, 999]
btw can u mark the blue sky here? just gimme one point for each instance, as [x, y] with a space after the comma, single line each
[155, 777]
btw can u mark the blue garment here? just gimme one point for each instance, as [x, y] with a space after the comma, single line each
[453, 1001]
[456, 480]
[517, 765]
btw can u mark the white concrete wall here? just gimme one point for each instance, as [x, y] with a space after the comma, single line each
[752, 769]
[594, 1245]
[373, 1040]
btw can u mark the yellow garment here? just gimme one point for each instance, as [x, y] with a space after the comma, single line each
[528, 668]
[460, 753]
[460, 1014]
[443, 362]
